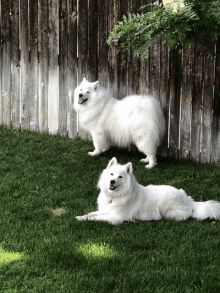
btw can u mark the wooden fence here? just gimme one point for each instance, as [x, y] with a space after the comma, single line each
[48, 46]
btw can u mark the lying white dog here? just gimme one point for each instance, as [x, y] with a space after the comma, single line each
[123, 199]
[135, 120]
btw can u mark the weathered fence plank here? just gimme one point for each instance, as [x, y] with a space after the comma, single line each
[122, 58]
[196, 104]
[164, 94]
[175, 88]
[82, 39]
[25, 64]
[34, 70]
[53, 84]
[5, 102]
[145, 64]
[92, 73]
[133, 68]
[154, 70]
[72, 66]
[215, 139]
[103, 47]
[112, 64]
[186, 99]
[63, 82]
[207, 110]
[43, 48]
[15, 65]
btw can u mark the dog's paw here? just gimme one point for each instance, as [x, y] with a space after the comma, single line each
[146, 160]
[95, 153]
[150, 166]
[81, 218]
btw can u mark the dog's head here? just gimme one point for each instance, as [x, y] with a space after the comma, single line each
[83, 92]
[116, 178]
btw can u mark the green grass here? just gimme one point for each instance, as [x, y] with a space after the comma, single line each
[59, 254]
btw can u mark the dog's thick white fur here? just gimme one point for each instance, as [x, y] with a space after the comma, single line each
[135, 120]
[123, 199]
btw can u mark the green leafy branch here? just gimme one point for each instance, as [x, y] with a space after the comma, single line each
[196, 22]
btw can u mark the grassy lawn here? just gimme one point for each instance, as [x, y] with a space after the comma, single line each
[40, 172]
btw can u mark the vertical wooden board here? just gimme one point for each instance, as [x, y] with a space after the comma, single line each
[15, 65]
[133, 68]
[164, 94]
[154, 68]
[103, 8]
[145, 64]
[53, 87]
[112, 49]
[175, 88]
[207, 110]
[6, 64]
[144, 77]
[186, 99]
[0, 64]
[34, 70]
[122, 57]
[215, 155]
[82, 39]
[72, 66]
[43, 47]
[196, 104]
[63, 82]
[25, 65]
[92, 73]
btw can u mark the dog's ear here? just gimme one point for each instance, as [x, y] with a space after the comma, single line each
[129, 168]
[84, 79]
[96, 85]
[113, 161]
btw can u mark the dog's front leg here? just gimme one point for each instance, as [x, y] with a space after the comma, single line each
[100, 143]
[88, 216]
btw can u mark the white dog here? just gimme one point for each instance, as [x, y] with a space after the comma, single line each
[123, 199]
[134, 119]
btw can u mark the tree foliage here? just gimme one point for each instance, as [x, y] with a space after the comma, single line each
[196, 22]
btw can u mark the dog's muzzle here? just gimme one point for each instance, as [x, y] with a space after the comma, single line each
[111, 187]
[81, 100]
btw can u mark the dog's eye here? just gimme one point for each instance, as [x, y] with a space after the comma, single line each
[119, 176]
[111, 173]
[88, 92]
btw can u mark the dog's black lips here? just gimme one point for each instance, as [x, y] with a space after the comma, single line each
[82, 101]
[112, 187]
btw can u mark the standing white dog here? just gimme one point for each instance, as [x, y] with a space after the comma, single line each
[123, 199]
[134, 119]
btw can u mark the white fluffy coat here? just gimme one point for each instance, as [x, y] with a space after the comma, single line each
[122, 198]
[135, 120]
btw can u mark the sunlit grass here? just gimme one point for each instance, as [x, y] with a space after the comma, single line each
[95, 250]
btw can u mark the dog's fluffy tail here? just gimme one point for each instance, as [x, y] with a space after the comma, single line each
[208, 209]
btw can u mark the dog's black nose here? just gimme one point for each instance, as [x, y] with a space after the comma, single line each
[112, 181]
[80, 95]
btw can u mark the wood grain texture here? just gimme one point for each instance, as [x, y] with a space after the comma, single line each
[43, 48]
[15, 65]
[53, 83]
[72, 67]
[186, 100]
[196, 104]
[5, 102]
[34, 68]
